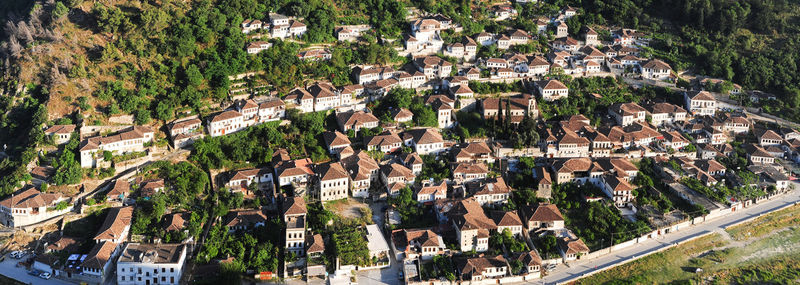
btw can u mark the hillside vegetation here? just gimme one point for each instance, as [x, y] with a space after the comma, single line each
[71, 61]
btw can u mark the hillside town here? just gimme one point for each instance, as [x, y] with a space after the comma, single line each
[452, 168]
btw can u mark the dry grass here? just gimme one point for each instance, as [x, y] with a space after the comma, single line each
[767, 255]
[767, 224]
[347, 208]
[665, 265]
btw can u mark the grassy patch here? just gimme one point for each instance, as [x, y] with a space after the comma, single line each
[764, 250]
[766, 224]
[658, 267]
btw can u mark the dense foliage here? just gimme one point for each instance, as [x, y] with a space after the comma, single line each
[301, 138]
[595, 222]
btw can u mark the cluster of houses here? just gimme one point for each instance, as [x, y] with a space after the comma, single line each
[695, 135]
[279, 26]
[113, 258]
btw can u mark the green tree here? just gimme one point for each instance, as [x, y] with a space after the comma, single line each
[59, 11]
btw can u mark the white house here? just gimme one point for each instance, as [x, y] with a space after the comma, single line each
[700, 102]
[552, 90]
[145, 264]
[227, 122]
[132, 139]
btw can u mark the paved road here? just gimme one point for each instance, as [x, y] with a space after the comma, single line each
[8, 268]
[578, 268]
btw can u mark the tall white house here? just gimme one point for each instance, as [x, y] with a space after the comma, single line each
[146, 264]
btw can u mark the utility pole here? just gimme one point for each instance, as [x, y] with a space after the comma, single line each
[612, 241]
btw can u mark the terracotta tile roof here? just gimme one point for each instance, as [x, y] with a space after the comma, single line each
[360, 165]
[244, 217]
[316, 244]
[674, 137]
[271, 103]
[552, 84]
[29, 197]
[331, 171]
[287, 168]
[249, 173]
[470, 168]
[176, 221]
[617, 184]
[530, 258]
[572, 165]
[397, 170]
[477, 265]
[65, 243]
[436, 190]
[121, 187]
[425, 136]
[335, 138]
[468, 215]
[43, 173]
[767, 135]
[299, 94]
[294, 206]
[506, 219]
[657, 65]
[99, 255]
[709, 165]
[700, 95]
[185, 123]
[444, 98]
[493, 186]
[544, 213]
[662, 108]
[411, 158]
[322, 90]
[356, 118]
[626, 109]
[426, 238]
[520, 102]
[60, 129]
[538, 61]
[226, 115]
[135, 132]
[431, 61]
[386, 139]
[461, 89]
[117, 220]
[401, 113]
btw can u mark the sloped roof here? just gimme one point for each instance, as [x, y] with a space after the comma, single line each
[335, 138]
[544, 213]
[552, 84]
[700, 95]
[115, 223]
[29, 197]
[331, 171]
[294, 206]
[506, 219]
[316, 244]
[99, 255]
[60, 129]
[656, 64]
[245, 217]
[425, 136]
[434, 189]
[397, 170]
